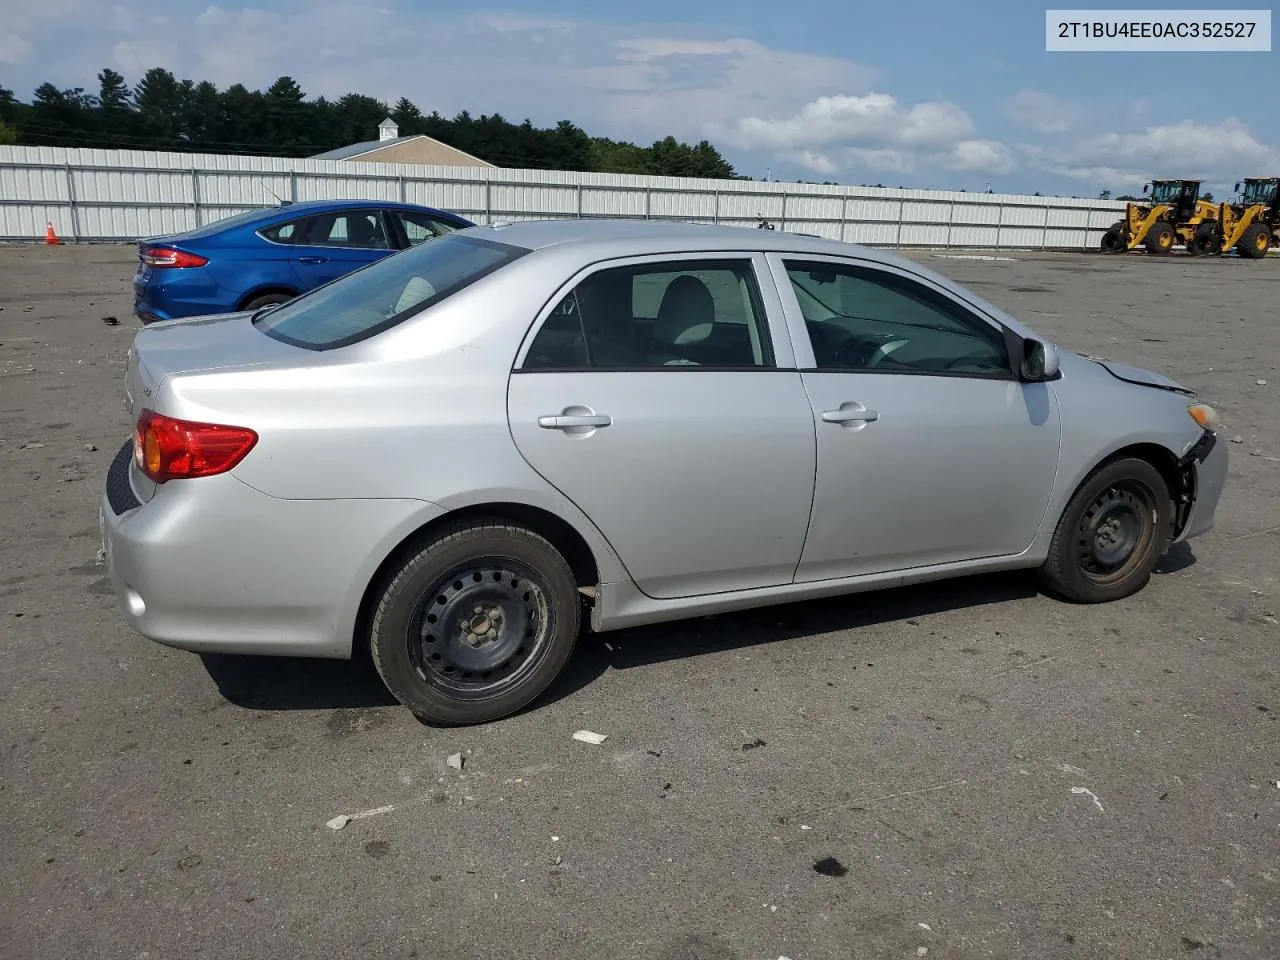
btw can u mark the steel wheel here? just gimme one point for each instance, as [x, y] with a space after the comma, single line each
[474, 621]
[1113, 531]
[477, 630]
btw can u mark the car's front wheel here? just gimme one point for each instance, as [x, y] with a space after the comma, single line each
[1112, 534]
[475, 623]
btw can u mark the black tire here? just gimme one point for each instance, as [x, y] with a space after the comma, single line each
[1113, 239]
[1255, 242]
[436, 641]
[1160, 238]
[268, 300]
[1112, 534]
[1206, 242]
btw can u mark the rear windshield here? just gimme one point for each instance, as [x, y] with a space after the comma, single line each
[377, 297]
[226, 223]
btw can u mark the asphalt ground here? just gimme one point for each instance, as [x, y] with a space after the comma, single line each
[971, 769]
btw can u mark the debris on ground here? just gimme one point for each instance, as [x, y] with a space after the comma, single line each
[1236, 439]
[586, 736]
[338, 822]
[455, 761]
[830, 867]
[925, 926]
[1261, 383]
[556, 860]
[110, 321]
[32, 446]
[753, 745]
[1090, 794]
[91, 447]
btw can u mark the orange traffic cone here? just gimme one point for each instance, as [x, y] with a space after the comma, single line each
[50, 238]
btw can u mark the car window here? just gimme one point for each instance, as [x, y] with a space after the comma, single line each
[361, 229]
[420, 227]
[226, 223]
[861, 318]
[692, 313]
[385, 293]
[282, 232]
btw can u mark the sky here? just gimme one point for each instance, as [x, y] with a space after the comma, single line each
[924, 93]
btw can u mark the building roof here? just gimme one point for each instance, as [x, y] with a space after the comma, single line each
[368, 146]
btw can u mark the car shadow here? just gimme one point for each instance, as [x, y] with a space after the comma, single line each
[684, 639]
[292, 683]
[1179, 557]
[297, 683]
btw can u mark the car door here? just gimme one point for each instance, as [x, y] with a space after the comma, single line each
[335, 243]
[930, 449]
[654, 395]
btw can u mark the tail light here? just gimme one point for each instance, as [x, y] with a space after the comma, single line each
[168, 257]
[169, 449]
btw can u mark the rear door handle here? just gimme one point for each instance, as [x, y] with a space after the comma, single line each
[313, 259]
[850, 414]
[567, 422]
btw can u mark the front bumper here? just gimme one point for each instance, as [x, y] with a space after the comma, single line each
[213, 565]
[1207, 463]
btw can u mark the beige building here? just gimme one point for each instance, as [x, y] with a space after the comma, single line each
[390, 147]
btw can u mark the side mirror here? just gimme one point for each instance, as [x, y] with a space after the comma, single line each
[1237, 186]
[1146, 187]
[1039, 361]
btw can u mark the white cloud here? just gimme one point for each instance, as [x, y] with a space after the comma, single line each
[874, 132]
[652, 48]
[1215, 152]
[1043, 112]
[13, 48]
[817, 162]
[980, 156]
[876, 117]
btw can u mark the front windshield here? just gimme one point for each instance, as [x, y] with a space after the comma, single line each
[383, 294]
[1259, 191]
[1165, 192]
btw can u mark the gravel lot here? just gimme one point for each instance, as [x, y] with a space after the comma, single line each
[994, 773]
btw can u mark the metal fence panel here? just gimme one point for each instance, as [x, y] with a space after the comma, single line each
[92, 194]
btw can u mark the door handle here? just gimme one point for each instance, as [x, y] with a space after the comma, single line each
[313, 259]
[568, 422]
[849, 415]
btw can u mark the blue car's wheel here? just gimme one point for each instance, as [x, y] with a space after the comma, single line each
[267, 300]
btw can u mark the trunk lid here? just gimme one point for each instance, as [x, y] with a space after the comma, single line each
[195, 345]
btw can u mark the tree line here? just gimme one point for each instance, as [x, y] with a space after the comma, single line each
[162, 112]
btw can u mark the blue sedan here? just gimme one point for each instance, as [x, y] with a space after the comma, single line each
[268, 256]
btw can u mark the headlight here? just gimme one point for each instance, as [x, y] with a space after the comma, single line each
[1204, 415]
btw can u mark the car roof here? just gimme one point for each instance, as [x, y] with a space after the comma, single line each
[643, 237]
[310, 206]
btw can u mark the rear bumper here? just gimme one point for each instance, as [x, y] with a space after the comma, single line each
[1209, 467]
[212, 565]
[173, 294]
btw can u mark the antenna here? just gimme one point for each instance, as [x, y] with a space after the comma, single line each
[283, 203]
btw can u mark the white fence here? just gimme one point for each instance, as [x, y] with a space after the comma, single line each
[100, 195]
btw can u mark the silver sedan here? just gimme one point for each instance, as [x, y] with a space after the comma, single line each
[457, 455]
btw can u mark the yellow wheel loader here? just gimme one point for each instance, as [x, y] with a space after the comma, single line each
[1172, 216]
[1251, 226]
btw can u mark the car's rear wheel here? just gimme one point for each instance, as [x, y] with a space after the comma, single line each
[476, 623]
[268, 300]
[1112, 534]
